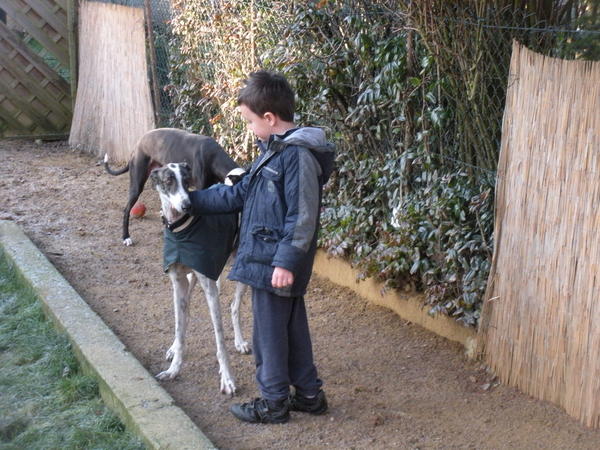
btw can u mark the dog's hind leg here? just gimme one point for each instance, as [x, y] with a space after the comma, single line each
[138, 174]
[241, 344]
[182, 290]
[212, 297]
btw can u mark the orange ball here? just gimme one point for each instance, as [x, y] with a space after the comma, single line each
[138, 210]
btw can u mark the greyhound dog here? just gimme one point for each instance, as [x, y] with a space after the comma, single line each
[211, 240]
[208, 161]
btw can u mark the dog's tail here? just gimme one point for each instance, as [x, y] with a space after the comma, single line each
[111, 171]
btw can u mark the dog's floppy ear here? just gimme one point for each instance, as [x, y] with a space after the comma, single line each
[186, 171]
[155, 177]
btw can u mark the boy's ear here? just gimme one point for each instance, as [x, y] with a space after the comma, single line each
[270, 117]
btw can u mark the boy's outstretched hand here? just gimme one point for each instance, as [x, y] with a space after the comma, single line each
[282, 278]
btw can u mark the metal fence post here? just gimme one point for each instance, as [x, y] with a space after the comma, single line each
[73, 50]
[151, 49]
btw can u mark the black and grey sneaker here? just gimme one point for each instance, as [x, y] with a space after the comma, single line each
[261, 410]
[315, 405]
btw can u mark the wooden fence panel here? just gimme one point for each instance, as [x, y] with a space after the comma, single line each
[45, 20]
[34, 98]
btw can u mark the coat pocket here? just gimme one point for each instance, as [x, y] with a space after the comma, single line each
[264, 245]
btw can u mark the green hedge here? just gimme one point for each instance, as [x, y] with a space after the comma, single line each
[399, 87]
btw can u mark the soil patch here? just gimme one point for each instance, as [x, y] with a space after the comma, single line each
[390, 384]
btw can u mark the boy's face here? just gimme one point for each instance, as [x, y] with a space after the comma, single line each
[262, 127]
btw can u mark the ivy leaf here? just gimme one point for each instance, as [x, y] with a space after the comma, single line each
[414, 81]
[436, 116]
[414, 267]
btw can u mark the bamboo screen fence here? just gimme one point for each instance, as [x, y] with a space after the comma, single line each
[113, 108]
[540, 325]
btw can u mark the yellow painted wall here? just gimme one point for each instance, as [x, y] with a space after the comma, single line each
[408, 305]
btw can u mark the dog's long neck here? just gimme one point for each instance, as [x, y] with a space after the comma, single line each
[178, 225]
[172, 219]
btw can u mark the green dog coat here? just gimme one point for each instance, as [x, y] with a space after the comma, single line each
[204, 245]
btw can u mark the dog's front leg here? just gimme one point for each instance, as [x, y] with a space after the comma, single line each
[241, 344]
[212, 297]
[181, 296]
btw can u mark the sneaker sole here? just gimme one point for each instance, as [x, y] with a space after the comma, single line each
[243, 418]
[314, 413]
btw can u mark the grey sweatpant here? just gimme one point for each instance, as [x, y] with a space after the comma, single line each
[282, 346]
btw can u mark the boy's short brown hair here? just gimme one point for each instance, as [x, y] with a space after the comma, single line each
[268, 92]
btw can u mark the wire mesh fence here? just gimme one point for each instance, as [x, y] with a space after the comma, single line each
[224, 41]
[161, 34]
[473, 53]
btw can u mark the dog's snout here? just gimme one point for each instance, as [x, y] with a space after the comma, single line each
[186, 206]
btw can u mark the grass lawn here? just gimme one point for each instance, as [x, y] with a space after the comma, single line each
[46, 402]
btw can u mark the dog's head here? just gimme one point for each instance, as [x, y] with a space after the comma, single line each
[172, 183]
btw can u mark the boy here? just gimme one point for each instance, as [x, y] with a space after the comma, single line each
[280, 201]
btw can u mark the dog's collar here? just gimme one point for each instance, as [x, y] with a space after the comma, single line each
[179, 223]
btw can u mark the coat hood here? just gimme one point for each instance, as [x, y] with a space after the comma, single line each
[314, 139]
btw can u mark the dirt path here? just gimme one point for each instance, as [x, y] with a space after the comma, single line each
[390, 384]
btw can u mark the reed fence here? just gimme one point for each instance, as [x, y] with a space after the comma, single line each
[541, 318]
[113, 108]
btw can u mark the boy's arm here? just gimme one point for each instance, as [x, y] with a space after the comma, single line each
[219, 199]
[302, 191]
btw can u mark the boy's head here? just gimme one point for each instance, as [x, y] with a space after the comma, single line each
[267, 103]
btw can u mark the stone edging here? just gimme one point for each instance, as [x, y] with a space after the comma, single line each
[409, 305]
[125, 385]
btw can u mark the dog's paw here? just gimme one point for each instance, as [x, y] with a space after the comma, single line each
[166, 375]
[243, 347]
[227, 386]
[128, 242]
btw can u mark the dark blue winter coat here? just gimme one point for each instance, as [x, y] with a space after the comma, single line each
[280, 201]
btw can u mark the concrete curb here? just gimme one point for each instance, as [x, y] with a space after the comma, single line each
[125, 385]
[408, 305]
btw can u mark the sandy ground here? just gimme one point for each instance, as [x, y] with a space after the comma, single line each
[390, 384]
